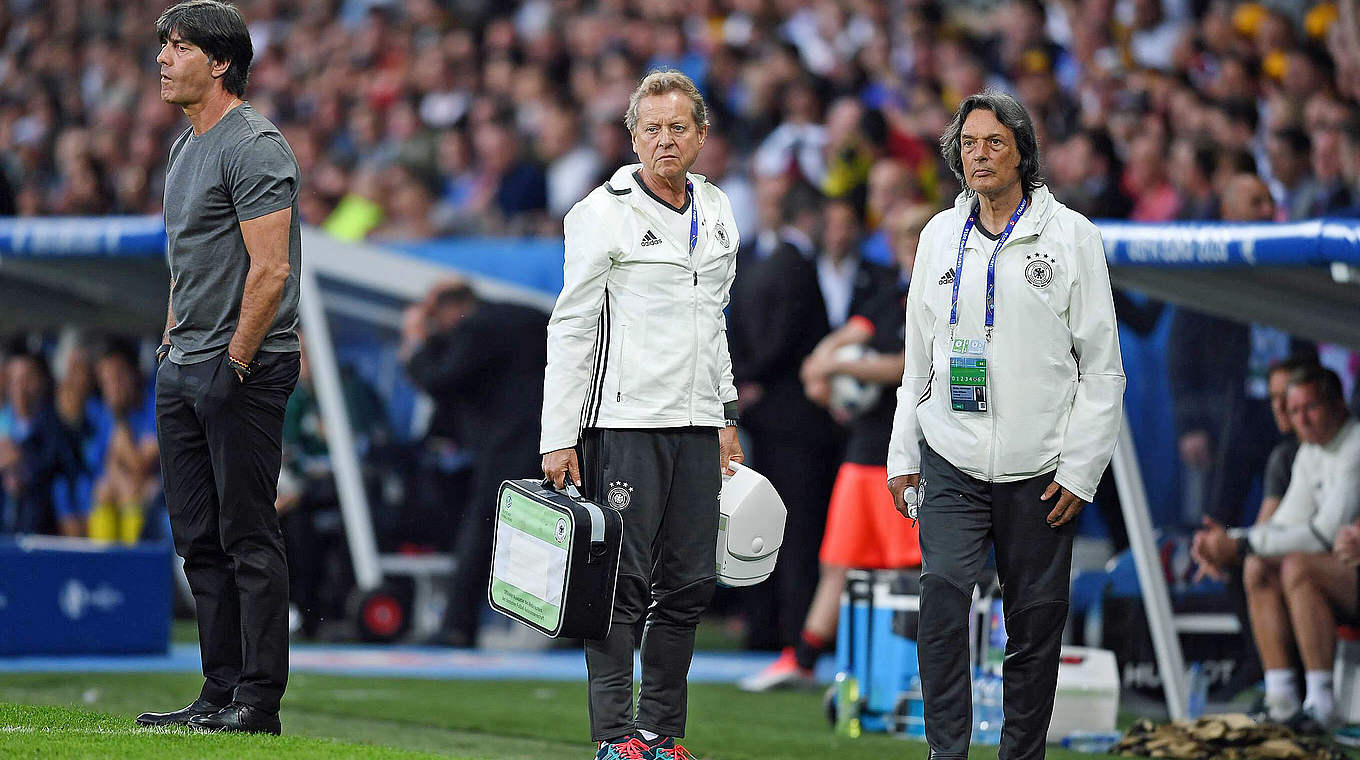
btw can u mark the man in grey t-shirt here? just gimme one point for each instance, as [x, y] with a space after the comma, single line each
[227, 365]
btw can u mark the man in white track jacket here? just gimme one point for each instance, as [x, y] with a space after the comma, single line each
[1297, 587]
[1009, 408]
[639, 406]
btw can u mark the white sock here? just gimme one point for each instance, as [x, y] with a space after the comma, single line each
[1318, 697]
[1282, 694]
[648, 735]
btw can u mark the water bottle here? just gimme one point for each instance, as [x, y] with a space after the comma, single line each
[1197, 691]
[847, 705]
[987, 709]
[1094, 742]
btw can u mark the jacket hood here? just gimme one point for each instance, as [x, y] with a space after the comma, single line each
[1043, 206]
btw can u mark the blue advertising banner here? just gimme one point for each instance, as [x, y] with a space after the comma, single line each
[71, 596]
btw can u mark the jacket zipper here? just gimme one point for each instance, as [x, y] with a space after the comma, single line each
[694, 311]
[623, 348]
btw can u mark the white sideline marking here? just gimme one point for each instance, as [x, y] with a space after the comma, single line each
[95, 731]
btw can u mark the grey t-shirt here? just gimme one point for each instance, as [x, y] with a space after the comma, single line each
[238, 170]
[1279, 467]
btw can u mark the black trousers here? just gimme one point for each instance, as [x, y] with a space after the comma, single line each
[221, 446]
[666, 483]
[802, 468]
[958, 519]
[467, 587]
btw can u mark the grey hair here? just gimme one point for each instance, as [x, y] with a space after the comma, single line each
[660, 83]
[1013, 116]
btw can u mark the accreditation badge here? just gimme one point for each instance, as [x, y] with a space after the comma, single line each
[968, 375]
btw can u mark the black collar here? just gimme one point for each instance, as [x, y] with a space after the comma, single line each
[637, 175]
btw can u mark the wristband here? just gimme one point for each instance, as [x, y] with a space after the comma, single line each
[245, 368]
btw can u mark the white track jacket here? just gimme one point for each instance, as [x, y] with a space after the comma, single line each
[638, 338]
[1323, 495]
[1056, 380]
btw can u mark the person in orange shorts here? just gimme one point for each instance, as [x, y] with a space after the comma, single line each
[863, 527]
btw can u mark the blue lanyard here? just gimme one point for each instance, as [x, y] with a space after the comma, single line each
[991, 267]
[693, 219]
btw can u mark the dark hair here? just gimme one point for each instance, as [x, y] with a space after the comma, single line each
[802, 198]
[1204, 155]
[218, 29]
[1238, 160]
[1292, 364]
[1325, 381]
[121, 350]
[1013, 116]
[1103, 147]
[1294, 138]
[456, 294]
[1240, 110]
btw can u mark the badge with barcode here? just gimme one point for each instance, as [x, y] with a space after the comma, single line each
[968, 375]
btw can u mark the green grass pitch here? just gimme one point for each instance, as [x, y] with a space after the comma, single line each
[75, 715]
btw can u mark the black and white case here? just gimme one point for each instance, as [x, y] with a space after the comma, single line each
[555, 559]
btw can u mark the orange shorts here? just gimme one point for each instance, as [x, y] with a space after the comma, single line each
[863, 528]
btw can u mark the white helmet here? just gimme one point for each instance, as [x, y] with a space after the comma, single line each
[750, 527]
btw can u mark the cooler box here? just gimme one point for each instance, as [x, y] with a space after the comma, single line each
[74, 596]
[875, 642]
[555, 560]
[1088, 692]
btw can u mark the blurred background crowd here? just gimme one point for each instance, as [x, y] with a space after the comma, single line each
[420, 119]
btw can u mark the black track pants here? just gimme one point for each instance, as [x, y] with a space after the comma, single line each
[666, 482]
[959, 519]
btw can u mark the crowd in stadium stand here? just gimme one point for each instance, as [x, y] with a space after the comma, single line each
[418, 119]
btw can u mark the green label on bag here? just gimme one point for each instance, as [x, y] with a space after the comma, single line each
[529, 569]
[526, 605]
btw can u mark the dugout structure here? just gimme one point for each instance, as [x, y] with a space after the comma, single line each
[1303, 277]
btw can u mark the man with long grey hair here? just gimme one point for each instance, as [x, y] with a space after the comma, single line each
[1010, 403]
[639, 406]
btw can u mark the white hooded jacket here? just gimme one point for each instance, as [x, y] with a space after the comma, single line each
[638, 338]
[1056, 380]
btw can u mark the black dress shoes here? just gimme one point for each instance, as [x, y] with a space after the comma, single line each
[238, 717]
[178, 717]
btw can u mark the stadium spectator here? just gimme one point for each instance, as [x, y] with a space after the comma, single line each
[1297, 588]
[482, 363]
[35, 448]
[125, 441]
[1086, 171]
[1191, 170]
[1288, 149]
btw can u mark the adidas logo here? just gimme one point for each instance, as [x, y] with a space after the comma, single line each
[948, 277]
[651, 239]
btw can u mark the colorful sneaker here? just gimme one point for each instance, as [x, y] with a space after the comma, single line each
[783, 672]
[633, 749]
[669, 750]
